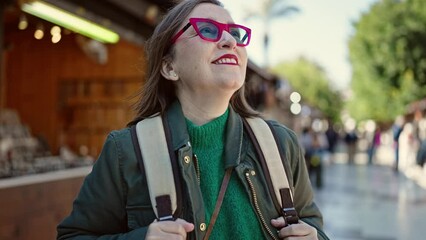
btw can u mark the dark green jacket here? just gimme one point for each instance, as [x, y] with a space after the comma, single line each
[114, 203]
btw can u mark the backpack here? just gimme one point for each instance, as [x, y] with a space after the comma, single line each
[149, 138]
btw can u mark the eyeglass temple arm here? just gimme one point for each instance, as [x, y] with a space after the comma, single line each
[180, 32]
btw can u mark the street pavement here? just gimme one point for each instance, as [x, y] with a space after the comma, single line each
[370, 202]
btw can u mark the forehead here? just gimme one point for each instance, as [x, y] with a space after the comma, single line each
[211, 11]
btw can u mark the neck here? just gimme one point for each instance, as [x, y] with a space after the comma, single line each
[202, 110]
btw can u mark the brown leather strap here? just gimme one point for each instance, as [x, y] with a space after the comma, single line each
[219, 201]
[164, 208]
[288, 211]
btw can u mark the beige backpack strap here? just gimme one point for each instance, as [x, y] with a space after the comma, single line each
[268, 146]
[158, 168]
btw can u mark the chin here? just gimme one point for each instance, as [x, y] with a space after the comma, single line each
[233, 87]
[234, 82]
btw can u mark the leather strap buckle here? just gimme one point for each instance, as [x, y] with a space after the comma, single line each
[290, 216]
[166, 218]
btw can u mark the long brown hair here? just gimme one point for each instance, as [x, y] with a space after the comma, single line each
[158, 93]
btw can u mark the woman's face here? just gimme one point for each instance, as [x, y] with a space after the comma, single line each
[207, 68]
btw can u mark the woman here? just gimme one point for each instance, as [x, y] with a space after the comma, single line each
[196, 69]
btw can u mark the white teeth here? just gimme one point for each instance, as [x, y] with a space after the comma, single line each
[226, 60]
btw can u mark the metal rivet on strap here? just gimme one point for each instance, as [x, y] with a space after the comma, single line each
[187, 159]
[253, 172]
[203, 227]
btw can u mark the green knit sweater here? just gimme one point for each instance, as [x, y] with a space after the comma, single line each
[237, 219]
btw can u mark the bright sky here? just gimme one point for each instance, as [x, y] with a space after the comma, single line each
[319, 32]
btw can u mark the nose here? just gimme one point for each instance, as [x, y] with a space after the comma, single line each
[227, 41]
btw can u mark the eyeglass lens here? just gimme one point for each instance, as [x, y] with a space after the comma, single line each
[211, 31]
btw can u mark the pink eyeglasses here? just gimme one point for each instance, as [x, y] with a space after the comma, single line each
[211, 31]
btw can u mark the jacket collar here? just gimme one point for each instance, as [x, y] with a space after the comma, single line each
[176, 122]
[233, 139]
[179, 134]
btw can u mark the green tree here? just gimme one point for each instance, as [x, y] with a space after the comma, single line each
[310, 80]
[268, 11]
[388, 56]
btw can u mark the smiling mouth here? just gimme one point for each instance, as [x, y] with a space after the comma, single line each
[226, 59]
[230, 61]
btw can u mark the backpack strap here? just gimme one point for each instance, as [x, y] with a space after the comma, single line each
[263, 137]
[150, 143]
[157, 166]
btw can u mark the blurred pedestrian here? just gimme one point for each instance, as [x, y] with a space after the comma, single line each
[332, 139]
[351, 140]
[374, 144]
[396, 130]
[421, 154]
[314, 145]
[305, 140]
[316, 161]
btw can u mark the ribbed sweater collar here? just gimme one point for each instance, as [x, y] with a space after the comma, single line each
[211, 134]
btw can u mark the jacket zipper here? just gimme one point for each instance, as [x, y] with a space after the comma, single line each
[256, 204]
[197, 168]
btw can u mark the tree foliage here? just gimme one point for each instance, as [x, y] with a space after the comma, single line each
[388, 56]
[311, 82]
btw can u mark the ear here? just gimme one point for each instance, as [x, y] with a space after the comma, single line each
[167, 70]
